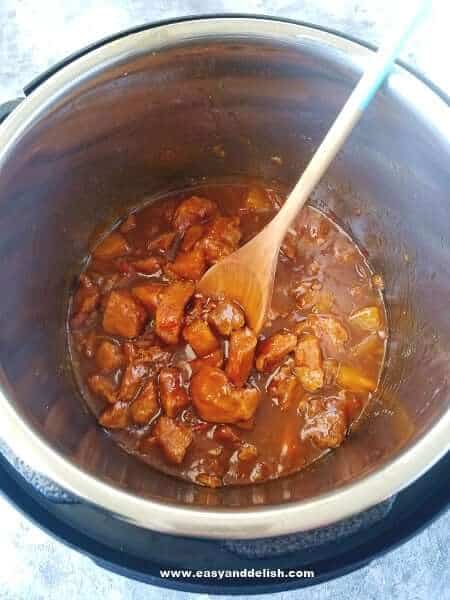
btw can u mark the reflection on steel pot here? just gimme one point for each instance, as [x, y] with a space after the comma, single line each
[144, 114]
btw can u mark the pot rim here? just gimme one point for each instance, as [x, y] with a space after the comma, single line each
[250, 523]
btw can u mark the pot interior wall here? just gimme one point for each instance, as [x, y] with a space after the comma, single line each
[153, 122]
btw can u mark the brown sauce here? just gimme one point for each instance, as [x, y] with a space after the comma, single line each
[253, 409]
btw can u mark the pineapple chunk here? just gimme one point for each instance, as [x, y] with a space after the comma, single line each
[353, 380]
[368, 318]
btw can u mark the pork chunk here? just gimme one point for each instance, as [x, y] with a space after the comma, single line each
[148, 294]
[217, 401]
[241, 354]
[325, 422]
[172, 393]
[200, 337]
[188, 265]
[215, 359]
[170, 310]
[227, 317]
[273, 350]
[193, 210]
[113, 246]
[123, 315]
[146, 406]
[102, 386]
[221, 239]
[115, 417]
[173, 438]
[108, 356]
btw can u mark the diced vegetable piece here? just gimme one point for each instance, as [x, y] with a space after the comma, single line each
[273, 350]
[284, 387]
[191, 237]
[217, 401]
[353, 380]
[115, 417]
[199, 335]
[102, 386]
[308, 352]
[240, 358]
[325, 422]
[148, 294]
[215, 359]
[109, 356]
[368, 318]
[173, 438]
[170, 310]
[188, 265]
[146, 406]
[372, 345]
[193, 210]
[172, 393]
[113, 246]
[227, 317]
[123, 315]
[311, 379]
[150, 265]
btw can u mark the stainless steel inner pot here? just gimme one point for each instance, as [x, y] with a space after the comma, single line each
[141, 115]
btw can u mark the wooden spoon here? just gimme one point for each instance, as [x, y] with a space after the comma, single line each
[247, 275]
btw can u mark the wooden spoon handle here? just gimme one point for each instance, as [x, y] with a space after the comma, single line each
[350, 114]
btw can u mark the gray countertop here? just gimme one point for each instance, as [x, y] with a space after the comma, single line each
[35, 34]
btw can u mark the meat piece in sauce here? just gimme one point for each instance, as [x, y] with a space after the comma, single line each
[227, 317]
[86, 343]
[191, 237]
[150, 265]
[200, 337]
[226, 435]
[240, 357]
[115, 417]
[170, 310]
[103, 387]
[162, 243]
[327, 328]
[325, 422]
[146, 406]
[216, 401]
[148, 294]
[188, 265]
[173, 438]
[308, 358]
[273, 350]
[193, 210]
[284, 387]
[109, 356]
[221, 239]
[113, 246]
[172, 393]
[85, 301]
[215, 359]
[123, 315]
